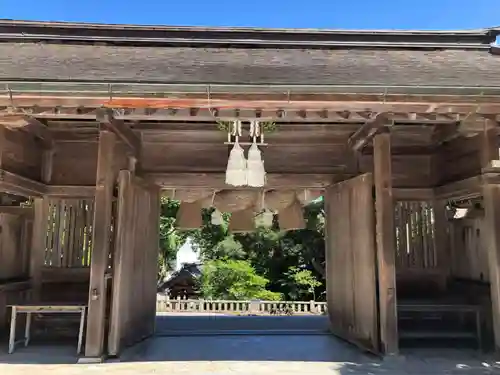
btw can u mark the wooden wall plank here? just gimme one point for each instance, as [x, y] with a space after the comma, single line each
[351, 262]
[384, 207]
[135, 263]
[364, 260]
[105, 181]
[123, 262]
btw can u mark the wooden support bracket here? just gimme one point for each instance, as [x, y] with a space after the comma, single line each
[365, 134]
[28, 124]
[476, 123]
[106, 118]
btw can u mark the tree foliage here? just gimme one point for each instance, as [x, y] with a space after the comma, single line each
[286, 264]
[232, 279]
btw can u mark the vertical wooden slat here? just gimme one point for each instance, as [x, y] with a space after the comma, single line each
[63, 250]
[78, 241]
[89, 214]
[40, 205]
[105, 180]
[55, 255]
[72, 234]
[384, 207]
[442, 258]
[425, 236]
[419, 232]
[404, 237]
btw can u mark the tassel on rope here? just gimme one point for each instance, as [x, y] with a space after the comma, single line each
[236, 165]
[216, 217]
[256, 173]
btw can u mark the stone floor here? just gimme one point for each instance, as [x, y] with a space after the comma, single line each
[217, 352]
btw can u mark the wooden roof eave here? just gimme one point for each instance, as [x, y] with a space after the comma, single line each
[309, 37]
[275, 109]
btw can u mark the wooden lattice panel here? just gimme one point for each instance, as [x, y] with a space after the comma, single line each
[415, 235]
[69, 233]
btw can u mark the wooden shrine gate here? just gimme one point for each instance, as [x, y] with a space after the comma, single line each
[133, 305]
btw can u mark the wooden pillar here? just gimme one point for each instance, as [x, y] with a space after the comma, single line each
[385, 239]
[105, 181]
[492, 225]
[491, 196]
[38, 245]
[152, 268]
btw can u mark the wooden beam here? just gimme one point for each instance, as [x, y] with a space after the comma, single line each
[217, 180]
[16, 210]
[70, 191]
[204, 114]
[413, 194]
[384, 208]
[365, 134]
[468, 187]
[15, 184]
[105, 181]
[397, 103]
[123, 131]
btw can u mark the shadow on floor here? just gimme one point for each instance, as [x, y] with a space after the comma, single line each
[246, 350]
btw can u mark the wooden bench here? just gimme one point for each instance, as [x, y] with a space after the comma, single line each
[441, 308]
[44, 308]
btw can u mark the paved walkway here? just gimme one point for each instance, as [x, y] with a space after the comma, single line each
[244, 354]
[216, 324]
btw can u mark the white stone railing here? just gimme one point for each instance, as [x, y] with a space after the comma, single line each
[166, 304]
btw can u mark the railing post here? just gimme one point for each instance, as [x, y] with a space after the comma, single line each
[312, 307]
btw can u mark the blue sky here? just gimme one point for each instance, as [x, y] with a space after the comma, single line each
[350, 14]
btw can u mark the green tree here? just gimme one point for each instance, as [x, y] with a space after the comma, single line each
[234, 280]
[304, 282]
